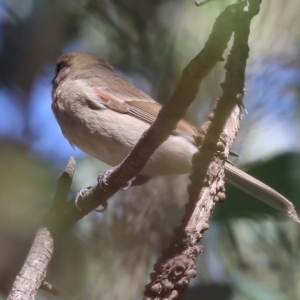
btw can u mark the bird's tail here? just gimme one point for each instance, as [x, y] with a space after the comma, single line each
[259, 190]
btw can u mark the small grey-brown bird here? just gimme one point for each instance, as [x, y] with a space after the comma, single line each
[104, 115]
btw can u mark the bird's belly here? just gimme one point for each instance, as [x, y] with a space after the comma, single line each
[109, 141]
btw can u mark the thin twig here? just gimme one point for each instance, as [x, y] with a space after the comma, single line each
[46, 286]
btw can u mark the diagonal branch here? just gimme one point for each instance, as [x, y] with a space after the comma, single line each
[186, 90]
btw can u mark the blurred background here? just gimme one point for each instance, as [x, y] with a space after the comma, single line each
[250, 251]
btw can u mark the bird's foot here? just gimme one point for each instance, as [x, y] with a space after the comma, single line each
[80, 196]
[135, 181]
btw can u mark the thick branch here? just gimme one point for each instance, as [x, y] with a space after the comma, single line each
[177, 264]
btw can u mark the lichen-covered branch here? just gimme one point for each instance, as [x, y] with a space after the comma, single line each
[177, 264]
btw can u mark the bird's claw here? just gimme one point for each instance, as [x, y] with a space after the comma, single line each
[102, 178]
[104, 205]
[128, 185]
[80, 195]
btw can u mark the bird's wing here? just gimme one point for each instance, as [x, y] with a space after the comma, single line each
[136, 103]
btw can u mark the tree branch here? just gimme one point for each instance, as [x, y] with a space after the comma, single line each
[177, 264]
[33, 272]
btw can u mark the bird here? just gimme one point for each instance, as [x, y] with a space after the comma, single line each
[104, 115]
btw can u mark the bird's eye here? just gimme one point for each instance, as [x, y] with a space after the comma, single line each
[59, 66]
